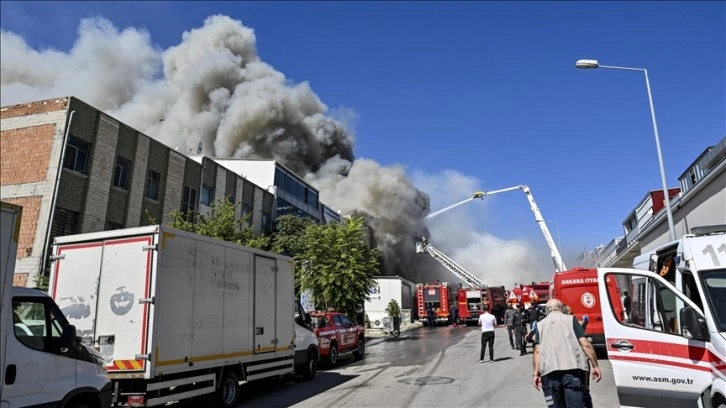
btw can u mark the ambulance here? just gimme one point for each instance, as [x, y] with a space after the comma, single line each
[671, 350]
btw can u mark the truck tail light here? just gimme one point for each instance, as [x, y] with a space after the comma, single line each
[136, 400]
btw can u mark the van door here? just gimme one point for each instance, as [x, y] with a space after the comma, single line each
[265, 296]
[655, 361]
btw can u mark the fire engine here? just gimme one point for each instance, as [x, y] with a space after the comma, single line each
[472, 301]
[528, 295]
[439, 295]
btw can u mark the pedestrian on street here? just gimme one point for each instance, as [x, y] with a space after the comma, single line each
[487, 321]
[560, 358]
[586, 398]
[532, 314]
[520, 330]
[509, 322]
[454, 313]
[430, 314]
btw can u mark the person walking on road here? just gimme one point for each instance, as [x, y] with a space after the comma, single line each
[430, 315]
[487, 321]
[520, 327]
[560, 358]
[509, 322]
[454, 313]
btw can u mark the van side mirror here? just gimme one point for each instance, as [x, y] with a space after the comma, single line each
[693, 326]
[68, 337]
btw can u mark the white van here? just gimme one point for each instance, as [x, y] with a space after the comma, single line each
[42, 362]
[671, 352]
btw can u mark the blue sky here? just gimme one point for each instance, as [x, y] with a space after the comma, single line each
[487, 89]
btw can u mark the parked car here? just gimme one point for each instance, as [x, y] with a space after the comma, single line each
[337, 335]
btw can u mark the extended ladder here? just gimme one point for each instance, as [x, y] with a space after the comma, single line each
[448, 263]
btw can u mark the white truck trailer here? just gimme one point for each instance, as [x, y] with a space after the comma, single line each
[41, 362]
[177, 315]
[387, 288]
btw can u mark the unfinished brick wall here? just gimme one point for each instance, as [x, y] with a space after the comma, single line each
[20, 279]
[33, 108]
[28, 223]
[25, 156]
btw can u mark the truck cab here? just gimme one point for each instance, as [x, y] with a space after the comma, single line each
[44, 363]
[579, 289]
[307, 353]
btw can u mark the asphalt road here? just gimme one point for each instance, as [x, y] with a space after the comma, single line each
[424, 367]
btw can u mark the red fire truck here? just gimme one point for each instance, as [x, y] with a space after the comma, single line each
[471, 302]
[437, 294]
[528, 295]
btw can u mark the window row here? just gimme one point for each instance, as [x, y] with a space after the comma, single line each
[77, 156]
[292, 186]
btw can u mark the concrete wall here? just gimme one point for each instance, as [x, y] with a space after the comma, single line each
[32, 143]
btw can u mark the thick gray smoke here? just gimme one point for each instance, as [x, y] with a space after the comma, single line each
[214, 88]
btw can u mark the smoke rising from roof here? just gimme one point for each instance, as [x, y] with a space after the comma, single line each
[213, 87]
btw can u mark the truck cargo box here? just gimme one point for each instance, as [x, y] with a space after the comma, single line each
[158, 301]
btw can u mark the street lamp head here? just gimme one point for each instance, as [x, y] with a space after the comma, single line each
[587, 64]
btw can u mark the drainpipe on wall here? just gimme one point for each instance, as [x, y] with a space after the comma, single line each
[44, 254]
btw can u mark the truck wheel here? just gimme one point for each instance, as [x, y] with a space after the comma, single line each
[333, 355]
[228, 391]
[358, 353]
[311, 366]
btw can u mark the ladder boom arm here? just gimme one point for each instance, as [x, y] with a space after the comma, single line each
[554, 252]
[449, 264]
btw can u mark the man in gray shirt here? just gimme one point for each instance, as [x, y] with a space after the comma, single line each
[561, 353]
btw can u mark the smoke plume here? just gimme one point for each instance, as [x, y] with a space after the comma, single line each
[213, 87]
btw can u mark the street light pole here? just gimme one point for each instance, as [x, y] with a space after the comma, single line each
[591, 64]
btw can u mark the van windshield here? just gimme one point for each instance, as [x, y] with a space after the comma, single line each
[714, 283]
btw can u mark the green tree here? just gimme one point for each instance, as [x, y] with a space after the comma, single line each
[337, 265]
[222, 223]
[392, 309]
[289, 236]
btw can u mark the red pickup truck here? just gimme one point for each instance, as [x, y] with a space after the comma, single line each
[337, 335]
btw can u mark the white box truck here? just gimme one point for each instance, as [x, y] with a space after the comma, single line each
[42, 363]
[387, 288]
[177, 315]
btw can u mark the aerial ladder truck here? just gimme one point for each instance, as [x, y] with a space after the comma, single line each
[520, 294]
[472, 301]
[554, 252]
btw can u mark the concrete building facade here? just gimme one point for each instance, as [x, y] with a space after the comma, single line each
[700, 200]
[74, 169]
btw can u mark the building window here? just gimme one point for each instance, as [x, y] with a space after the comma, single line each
[121, 173]
[189, 202]
[110, 226]
[207, 195]
[65, 222]
[76, 156]
[152, 185]
[266, 223]
[312, 198]
[247, 211]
